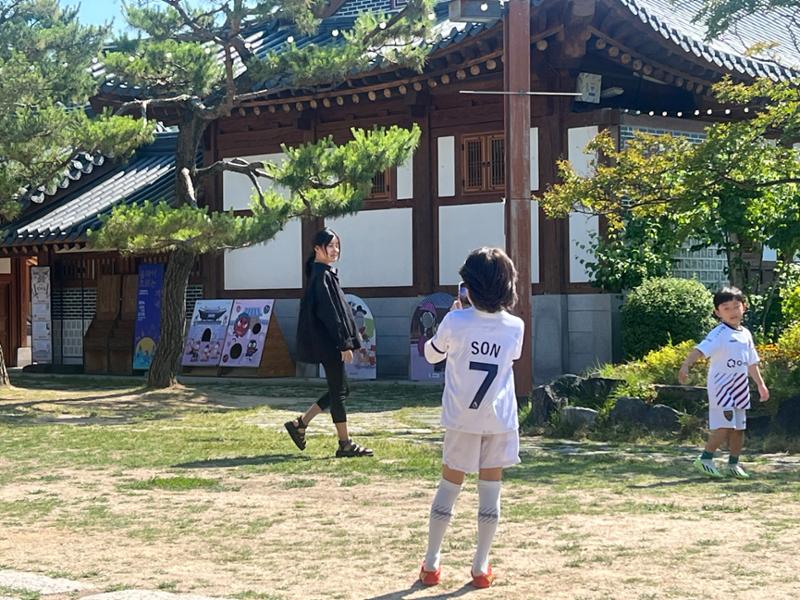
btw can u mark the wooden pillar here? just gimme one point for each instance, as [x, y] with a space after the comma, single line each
[423, 216]
[517, 118]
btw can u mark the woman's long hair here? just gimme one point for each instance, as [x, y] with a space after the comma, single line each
[322, 238]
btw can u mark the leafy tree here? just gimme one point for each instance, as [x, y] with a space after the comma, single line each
[45, 84]
[187, 70]
[736, 190]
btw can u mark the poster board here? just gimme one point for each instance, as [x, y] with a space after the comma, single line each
[424, 323]
[246, 333]
[148, 314]
[206, 336]
[365, 360]
[41, 319]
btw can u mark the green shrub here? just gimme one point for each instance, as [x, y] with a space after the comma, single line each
[665, 310]
[790, 305]
[658, 366]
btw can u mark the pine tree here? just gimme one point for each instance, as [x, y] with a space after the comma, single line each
[45, 85]
[187, 68]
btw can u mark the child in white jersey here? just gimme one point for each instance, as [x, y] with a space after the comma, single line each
[732, 357]
[479, 405]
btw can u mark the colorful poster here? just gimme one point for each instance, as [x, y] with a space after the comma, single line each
[247, 332]
[364, 365]
[203, 347]
[148, 314]
[41, 323]
[424, 322]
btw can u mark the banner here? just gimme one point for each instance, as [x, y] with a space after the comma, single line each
[364, 365]
[424, 322]
[247, 332]
[203, 347]
[41, 323]
[148, 314]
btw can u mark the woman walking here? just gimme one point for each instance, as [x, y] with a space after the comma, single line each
[327, 335]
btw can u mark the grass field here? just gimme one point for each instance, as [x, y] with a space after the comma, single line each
[200, 490]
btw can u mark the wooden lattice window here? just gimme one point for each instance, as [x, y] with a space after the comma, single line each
[483, 163]
[381, 186]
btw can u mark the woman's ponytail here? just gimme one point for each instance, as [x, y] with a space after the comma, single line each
[310, 264]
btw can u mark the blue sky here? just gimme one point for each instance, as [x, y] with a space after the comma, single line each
[96, 12]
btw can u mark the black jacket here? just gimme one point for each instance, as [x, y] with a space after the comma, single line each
[325, 326]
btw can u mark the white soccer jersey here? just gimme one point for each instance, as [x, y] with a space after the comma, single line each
[480, 348]
[730, 352]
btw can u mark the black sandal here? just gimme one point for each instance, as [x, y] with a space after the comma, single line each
[297, 432]
[350, 449]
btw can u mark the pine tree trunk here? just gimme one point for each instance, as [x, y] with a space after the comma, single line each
[167, 360]
[4, 379]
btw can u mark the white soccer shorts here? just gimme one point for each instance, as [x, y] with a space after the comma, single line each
[470, 452]
[726, 418]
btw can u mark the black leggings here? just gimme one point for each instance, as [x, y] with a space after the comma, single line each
[338, 390]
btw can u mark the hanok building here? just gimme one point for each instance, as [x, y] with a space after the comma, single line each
[638, 64]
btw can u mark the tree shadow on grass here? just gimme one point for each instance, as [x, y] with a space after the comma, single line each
[241, 461]
[597, 470]
[417, 586]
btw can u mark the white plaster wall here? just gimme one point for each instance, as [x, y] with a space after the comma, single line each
[446, 161]
[405, 179]
[277, 264]
[534, 172]
[5, 266]
[581, 226]
[463, 228]
[236, 188]
[377, 248]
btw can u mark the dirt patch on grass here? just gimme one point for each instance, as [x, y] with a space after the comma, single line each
[325, 537]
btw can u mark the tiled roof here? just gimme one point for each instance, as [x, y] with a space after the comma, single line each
[149, 175]
[273, 37]
[673, 19]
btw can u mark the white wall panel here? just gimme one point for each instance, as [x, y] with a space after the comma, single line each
[236, 188]
[405, 179]
[277, 264]
[462, 229]
[446, 160]
[581, 226]
[534, 141]
[377, 248]
[5, 266]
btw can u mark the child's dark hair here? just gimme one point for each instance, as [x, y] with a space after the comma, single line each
[727, 294]
[491, 279]
[322, 238]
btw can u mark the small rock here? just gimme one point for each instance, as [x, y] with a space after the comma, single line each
[598, 388]
[628, 410]
[578, 416]
[567, 386]
[787, 419]
[544, 403]
[663, 418]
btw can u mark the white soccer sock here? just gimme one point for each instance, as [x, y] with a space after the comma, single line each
[441, 513]
[488, 518]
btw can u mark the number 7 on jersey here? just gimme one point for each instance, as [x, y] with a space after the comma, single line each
[491, 373]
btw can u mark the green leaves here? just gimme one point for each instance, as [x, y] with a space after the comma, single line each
[45, 83]
[321, 179]
[167, 68]
[737, 189]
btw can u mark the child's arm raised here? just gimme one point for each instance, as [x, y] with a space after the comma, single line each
[755, 374]
[693, 357]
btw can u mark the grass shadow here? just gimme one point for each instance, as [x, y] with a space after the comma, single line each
[242, 461]
[417, 586]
